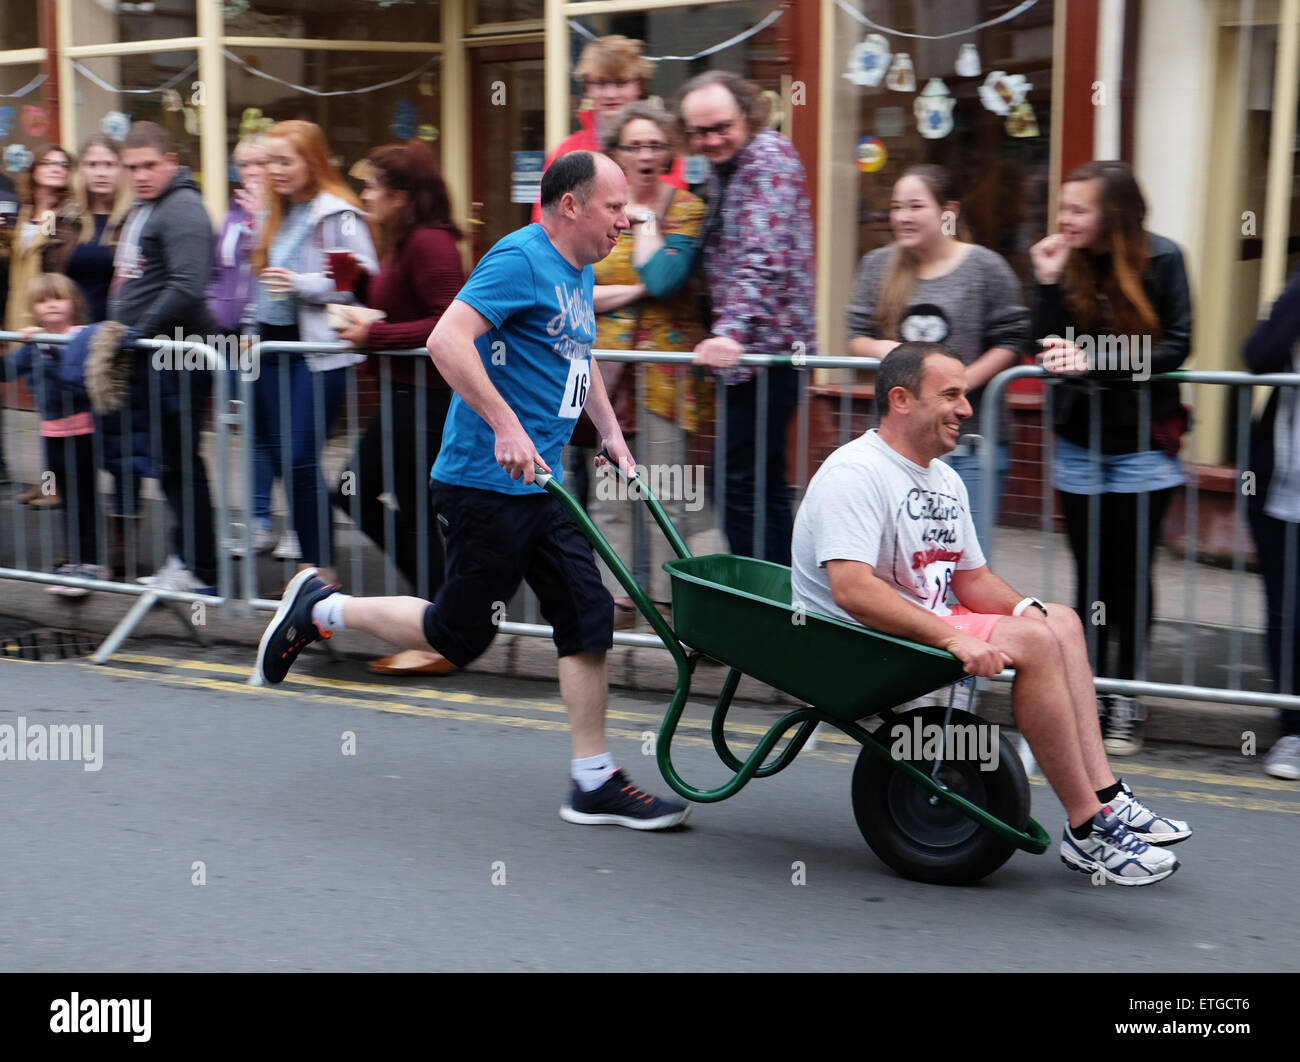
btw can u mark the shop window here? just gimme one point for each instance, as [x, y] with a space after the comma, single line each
[350, 20]
[355, 122]
[113, 91]
[19, 22]
[25, 119]
[685, 32]
[978, 103]
[123, 21]
[491, 11]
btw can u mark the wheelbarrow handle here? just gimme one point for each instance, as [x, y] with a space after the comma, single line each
[656, 508]
[615, 465]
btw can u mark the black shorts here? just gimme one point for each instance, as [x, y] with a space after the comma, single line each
[494, 542]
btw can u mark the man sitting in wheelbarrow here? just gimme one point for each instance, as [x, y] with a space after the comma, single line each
[884, 534]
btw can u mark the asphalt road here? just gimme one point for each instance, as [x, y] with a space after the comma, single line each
[436, 844]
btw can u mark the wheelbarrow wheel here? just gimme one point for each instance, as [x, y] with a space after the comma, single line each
[921, 836]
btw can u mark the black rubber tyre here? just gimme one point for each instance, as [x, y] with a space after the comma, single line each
[935, 842]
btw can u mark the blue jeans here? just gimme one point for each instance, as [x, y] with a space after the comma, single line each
[308, 427]
[1270, 546]
[971, 470]
[742, 416]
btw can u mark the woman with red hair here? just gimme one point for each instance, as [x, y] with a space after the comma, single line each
[420, 274]
[312, 218]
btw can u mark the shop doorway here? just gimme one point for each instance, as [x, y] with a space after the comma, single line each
[508, 123]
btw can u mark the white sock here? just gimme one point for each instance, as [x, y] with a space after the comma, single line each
[327, 613]
[593, 772]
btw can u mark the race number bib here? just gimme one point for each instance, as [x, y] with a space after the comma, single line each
[575, 391]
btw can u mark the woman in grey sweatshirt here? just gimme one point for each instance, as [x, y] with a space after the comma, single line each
[929, 285]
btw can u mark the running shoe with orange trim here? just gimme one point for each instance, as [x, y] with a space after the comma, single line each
[291, 629]
[619, 803]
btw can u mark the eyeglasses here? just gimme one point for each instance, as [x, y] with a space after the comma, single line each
[62, 164]
[699, 132]
[600, 83]
[655, 147]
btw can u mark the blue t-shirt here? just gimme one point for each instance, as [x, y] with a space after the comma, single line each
[537, 355]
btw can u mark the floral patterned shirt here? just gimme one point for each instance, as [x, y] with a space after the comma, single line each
[759, 261]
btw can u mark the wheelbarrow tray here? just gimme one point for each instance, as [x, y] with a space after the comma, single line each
[738, 611]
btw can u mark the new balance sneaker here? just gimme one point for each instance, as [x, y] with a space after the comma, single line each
[619, 803]
[1144, 823]
[291, 628]
[1121, 731]
[1111, 849]
[1283, 760]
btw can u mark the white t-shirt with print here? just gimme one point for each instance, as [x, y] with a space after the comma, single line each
[869, 503]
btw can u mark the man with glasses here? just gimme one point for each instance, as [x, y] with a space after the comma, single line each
[613, 73]
[757, 245]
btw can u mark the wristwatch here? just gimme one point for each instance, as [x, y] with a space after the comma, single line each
[1029, 602]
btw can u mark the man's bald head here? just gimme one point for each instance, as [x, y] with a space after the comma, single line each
[572, 173]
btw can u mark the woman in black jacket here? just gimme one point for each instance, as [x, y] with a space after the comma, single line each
[1274, 511]
[1112, 308]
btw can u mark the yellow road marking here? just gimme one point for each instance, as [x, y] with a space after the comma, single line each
[430, 713]
[827, 736]
[448, 696]
[829, 756]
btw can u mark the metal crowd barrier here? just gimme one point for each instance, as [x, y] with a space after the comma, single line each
[841, 409]
[991, 405]
[128, 493]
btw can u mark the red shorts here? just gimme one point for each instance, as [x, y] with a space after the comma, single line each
[977, 624]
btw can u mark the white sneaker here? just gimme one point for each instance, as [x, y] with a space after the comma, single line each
[183, 580]
[1116, 853]
[1284, 759]
[172, 564]
[1121, 733]
[263, 539]
[287, 548]
[1144, 823]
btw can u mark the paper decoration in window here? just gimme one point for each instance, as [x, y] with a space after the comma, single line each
[115, 124]
[869, 60]
[1002, 91]
[405, 120]
[901, 77]
[35, 121]
[6, 120]
[968, 61]
[17, 158]
[933, 109]
[871, 154]
[1021, 122]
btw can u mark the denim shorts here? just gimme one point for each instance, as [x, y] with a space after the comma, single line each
[1073, 472]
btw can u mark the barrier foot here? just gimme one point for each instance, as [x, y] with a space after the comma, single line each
[186, 619]
[125, 626]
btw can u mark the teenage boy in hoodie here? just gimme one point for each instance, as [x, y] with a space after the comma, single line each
[160, 274]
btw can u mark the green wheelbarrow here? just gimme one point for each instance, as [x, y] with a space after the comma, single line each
[926, 813]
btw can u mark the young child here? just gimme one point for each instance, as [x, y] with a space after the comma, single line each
[67, 423]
